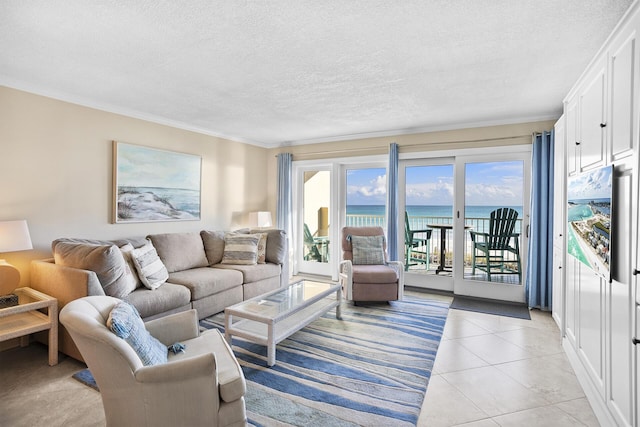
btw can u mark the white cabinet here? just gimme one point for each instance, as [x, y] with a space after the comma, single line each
[592, 118]
[601, 119]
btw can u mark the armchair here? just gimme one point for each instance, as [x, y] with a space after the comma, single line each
[369, 282]
[202, 386]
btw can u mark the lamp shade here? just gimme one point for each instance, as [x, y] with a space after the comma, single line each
[260, 219]
[14, 236]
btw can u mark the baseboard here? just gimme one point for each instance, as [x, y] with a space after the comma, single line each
[599, 406]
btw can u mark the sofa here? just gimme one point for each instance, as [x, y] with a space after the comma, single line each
[162, 274]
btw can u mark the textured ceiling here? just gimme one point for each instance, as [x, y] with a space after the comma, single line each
[296, 71]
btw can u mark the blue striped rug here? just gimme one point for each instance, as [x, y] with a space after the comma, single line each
[369, 369]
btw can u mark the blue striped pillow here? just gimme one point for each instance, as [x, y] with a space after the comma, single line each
[125, 321]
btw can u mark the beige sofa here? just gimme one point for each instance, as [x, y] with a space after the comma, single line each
[197, 276]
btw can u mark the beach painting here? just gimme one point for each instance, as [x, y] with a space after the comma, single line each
[155, 185]
[589, 218]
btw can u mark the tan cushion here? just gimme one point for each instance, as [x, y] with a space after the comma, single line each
[180, 251]
[206, 281]
[231, 382]
[374, 274]
[213, 245]
[165, 298]
[253, 273]
[106, 261]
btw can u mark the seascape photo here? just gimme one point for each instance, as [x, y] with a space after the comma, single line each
[589, 217]
[156, 185]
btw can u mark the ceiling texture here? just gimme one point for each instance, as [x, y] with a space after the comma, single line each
[287, 72]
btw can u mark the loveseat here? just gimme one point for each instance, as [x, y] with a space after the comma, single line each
[161, 274]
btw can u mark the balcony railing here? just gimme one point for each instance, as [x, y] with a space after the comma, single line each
[421, 222]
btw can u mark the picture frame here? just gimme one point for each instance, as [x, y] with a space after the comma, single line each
[152, 185]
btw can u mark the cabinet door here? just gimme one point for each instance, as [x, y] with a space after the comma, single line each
[571, 299]
[623, 95]
[559, 223]
[572, 136]
[591, 120]
[591, 326]
[619, 301]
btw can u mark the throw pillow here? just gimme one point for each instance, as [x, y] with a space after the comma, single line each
[367, 250]
[105, 260]
[131, 268]
[125, 321]
[262, 248]
[240, 249]
[150, 268]
[213, 245]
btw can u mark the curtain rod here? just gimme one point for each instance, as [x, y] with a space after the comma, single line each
[426, 144]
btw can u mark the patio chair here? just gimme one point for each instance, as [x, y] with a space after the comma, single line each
[416, 249]
[312, 252]
[490, 249]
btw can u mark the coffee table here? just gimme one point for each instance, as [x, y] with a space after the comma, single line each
[272, 317]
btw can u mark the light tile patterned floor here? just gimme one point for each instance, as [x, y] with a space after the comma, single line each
[499, 371]
[490, 371]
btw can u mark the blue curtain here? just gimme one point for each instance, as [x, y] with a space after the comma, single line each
[540, 259]
[285, 197]
[392, 203]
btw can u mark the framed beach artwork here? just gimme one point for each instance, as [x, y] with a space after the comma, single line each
[155, 185]
[589, 197]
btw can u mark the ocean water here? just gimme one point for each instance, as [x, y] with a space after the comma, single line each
[430, 210]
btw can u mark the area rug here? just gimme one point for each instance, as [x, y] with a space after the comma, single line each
[369, 369]
[490, 306]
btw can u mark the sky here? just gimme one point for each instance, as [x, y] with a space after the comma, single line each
[140, 166]
[487, 184]
[594, 184]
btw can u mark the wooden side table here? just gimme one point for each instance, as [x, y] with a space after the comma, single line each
[25, 318]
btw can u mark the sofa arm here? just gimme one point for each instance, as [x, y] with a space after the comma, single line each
[63, 283]
[175, 327]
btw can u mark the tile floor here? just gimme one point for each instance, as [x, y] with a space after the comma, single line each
[501, 371]
[489, 371]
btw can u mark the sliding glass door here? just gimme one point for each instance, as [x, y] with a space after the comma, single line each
[465, 222]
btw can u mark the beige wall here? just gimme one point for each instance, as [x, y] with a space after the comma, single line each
[56, 172]
[491, 136]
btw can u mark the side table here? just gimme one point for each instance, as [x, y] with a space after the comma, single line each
[25, 318]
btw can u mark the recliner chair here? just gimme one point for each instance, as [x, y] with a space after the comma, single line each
[202, 386]
[369, 282]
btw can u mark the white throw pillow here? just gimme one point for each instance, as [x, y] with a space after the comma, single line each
[150, 267]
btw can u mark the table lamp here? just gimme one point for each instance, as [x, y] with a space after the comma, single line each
[260, 219]
[14, 236]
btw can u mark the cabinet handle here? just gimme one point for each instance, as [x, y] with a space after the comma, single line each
[577, 143]
[602, 125]
[635, 341]
[635, 271]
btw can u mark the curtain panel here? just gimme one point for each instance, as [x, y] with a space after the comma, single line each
[539, 279]
[392, 203]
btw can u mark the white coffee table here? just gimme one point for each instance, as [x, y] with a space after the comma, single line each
[272, 317]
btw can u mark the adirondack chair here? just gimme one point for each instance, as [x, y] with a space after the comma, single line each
[416, 249]
[312, 252]
[491, 250]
